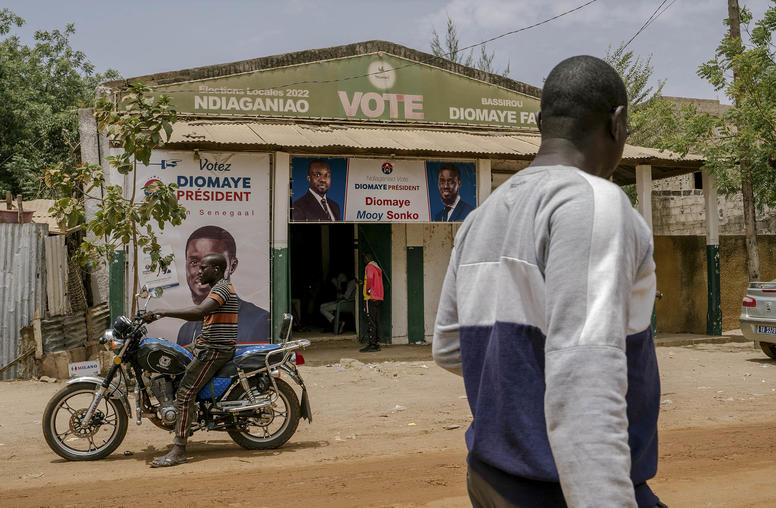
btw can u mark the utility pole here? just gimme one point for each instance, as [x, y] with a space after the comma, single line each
[747, 194]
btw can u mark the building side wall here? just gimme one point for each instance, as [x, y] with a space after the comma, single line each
[681, 277]
[399, 283]
[678, 209]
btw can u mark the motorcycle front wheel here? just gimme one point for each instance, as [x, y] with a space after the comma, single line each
[269, 427]
[65, 432]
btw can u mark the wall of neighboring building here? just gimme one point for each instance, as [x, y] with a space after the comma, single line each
[681, 276]
[678, 209]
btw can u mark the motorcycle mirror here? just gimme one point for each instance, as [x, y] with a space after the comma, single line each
[285, 327]
[143, 293]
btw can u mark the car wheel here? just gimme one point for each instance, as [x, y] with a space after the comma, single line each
[768, 349]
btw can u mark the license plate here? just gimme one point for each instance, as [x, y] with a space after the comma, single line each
[767, 330]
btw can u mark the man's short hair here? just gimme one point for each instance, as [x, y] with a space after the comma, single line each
[216, 259]
[449, 166]
[580, 93]
[316, 161]
[215, 233]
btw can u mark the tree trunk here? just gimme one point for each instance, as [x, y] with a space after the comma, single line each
[747, 194]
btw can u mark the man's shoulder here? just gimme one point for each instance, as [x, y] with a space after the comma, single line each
[304, 199]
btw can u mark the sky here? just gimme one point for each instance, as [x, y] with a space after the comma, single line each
[144, 37]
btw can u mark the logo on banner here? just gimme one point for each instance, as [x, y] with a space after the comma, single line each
[151, 186]
[166, 163]
[387, 168]
[381, 75]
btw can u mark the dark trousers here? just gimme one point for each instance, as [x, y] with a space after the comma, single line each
[373, 321]
[483, 495]
[207, 361]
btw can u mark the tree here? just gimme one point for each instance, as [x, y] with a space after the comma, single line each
[41, 88]
[451, 49]
[743, 153]
[137, 124]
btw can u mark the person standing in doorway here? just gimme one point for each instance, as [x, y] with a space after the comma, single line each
[545, 312]
[373, 298]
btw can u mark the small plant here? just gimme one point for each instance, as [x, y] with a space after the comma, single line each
[138, 123]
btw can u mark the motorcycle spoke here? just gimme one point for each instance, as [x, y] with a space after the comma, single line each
[63, 435]
[66, 406]
[91, 444]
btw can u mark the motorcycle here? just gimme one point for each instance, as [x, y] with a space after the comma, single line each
[88, 418]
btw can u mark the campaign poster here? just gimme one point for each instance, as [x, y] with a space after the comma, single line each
[451, 190]
[318, 188]
[326, 189]
[386, 190]
[226, 196]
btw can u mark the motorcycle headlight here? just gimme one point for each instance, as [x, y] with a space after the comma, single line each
[107, 336]
[116, 344]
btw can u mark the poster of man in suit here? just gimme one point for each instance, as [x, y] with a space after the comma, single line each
[319, 200]
[451, 190]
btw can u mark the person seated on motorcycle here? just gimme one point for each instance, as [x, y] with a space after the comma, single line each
[213, 347]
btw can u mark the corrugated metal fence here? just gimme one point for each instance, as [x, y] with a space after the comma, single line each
[22, 285]
[56, 275]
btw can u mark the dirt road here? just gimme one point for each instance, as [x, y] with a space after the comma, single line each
[379, 438]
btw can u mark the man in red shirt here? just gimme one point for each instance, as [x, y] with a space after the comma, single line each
[373, 297]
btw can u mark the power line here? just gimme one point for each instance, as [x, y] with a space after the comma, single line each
[410, 64]
[656, 14]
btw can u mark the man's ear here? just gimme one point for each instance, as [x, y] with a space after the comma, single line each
[233, 267]
[539, 120]
[617, 124]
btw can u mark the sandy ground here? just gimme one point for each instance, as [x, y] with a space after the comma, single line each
[382, 436]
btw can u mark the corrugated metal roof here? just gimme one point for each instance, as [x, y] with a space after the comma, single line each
[22, 285]
[257, 134]
[41, 215]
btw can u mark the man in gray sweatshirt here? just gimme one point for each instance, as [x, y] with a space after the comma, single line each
[545, 311]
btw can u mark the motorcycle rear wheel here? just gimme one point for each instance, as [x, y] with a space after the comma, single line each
[270, 427]
[62, 424]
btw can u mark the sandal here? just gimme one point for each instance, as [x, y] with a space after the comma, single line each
[168, 462]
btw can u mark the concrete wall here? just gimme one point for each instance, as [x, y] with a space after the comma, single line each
[437, 245]
[681, 276]
[399, 282]
[678, 209]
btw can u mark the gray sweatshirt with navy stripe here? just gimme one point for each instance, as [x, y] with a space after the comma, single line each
[545, 311]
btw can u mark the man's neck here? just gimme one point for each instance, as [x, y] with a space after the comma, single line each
[316, 195]
[564, 152]
[453, 202]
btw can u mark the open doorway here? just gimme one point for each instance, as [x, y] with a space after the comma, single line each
[322, 266]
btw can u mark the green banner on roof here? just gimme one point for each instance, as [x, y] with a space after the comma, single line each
[374, 87]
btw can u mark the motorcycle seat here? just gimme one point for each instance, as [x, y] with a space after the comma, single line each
[248, 358]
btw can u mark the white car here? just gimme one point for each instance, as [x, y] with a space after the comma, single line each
[758, 315]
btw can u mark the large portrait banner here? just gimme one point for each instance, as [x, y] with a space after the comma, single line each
[226, 196]
[381, 190]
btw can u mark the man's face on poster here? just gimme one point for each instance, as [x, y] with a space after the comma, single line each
[196, 250]
[449, 184]
[319, 177]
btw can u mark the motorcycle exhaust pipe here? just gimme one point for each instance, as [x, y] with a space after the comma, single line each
[250, 407]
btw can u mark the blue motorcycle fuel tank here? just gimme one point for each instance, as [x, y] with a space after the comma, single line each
[164, 357]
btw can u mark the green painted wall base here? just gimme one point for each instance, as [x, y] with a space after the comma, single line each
[714, 309]
[116, 291]
[416, 329]
[281, 296]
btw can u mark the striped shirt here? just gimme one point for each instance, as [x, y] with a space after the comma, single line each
[219, 328]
